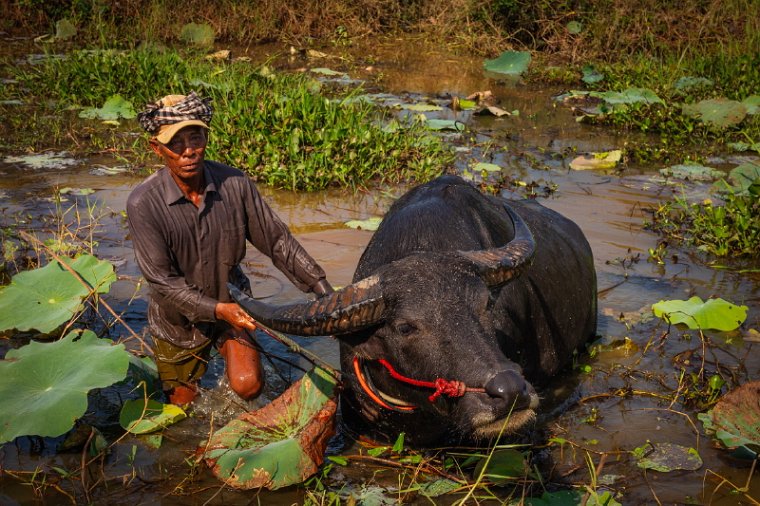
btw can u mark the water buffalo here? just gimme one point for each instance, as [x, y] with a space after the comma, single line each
[454, 285]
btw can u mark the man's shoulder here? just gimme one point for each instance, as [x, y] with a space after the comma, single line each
[227, 176]
[223, 169]
[148, 188]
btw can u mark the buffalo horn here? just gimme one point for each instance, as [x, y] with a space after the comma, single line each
[355, 307]
[499, 265]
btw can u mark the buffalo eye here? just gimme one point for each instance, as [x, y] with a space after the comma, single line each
[405, 328]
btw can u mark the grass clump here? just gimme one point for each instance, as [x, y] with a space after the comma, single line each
[730, 229]
[284, 129]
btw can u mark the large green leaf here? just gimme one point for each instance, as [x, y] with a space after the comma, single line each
[510, 63]
[735, 420]
[44, 385]
[115, 107]
[720, 112]
[717, 314]
[45, 298]
[140, 417]
[282, 443]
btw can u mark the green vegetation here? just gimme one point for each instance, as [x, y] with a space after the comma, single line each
[281, 128]
[700, 105]
[730, 229]
[572, 31]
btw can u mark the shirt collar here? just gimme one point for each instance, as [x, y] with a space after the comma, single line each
[173, 194]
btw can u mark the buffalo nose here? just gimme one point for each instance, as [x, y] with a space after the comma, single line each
[512, 388]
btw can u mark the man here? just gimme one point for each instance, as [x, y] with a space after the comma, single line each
[189, 223]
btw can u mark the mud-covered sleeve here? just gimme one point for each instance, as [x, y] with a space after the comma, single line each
[155, 259]
[272, 237]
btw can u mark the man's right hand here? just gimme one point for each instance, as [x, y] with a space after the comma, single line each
[235, 315]
[323, 288]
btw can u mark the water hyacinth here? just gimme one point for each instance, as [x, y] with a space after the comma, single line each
[283, 129]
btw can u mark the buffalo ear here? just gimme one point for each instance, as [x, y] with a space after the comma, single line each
[358, 306]
[499, 265]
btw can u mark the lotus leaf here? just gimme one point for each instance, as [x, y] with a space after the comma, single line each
[438, 487]
[717, 314]
[372, 495]
[76, 191]
[666, 457]
[421, 107]
[574, 27]
[444, 124]
[601, 161]
[719, 112]
[688, 83]
[327, 72]
[115, 107]
[628, 96]
[488, 167]
[368, 224]
[43, 161]
[752, 103]
[47, 297]
[590, 75]
[744, 176]
[743, 146]
[140, 417]
[282, 443]
[197, 34]
[44, 387]
[735, 420]
[692, 172]
[510, 63]
[64, 29]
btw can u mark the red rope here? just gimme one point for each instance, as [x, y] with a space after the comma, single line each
[451, 388]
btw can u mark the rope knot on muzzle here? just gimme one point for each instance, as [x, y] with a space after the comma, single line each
[450, 388]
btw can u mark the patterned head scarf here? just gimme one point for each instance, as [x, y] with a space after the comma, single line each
[167, 116]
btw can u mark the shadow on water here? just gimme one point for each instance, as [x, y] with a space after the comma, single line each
[589, 408]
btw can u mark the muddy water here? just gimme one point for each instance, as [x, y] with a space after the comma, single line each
[581, 407]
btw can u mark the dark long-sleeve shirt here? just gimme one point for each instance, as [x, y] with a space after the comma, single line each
[187, 254]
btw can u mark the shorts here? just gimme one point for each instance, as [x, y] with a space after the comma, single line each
[185, 366]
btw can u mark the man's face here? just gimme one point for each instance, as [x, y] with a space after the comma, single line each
[184, 153]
